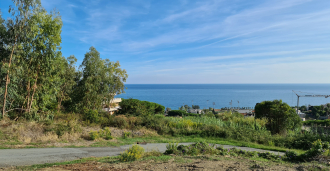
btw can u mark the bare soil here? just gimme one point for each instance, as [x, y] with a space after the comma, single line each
[218, 163]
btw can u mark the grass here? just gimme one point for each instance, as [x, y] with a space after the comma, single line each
[168, 139]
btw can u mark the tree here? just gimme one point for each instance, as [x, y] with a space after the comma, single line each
[281, 117]
[303, 108]
[40, 51]
[65, 78]
[16, 30]
[195, 107]
[101, 80]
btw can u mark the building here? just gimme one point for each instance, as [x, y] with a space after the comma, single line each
[196, 111]
[245, 112]
[114, 106]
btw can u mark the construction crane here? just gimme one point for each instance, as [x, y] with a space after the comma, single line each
[313, 95]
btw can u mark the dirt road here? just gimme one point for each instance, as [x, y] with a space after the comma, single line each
[22, 157]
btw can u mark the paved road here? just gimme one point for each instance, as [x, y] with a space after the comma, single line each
[21, 157]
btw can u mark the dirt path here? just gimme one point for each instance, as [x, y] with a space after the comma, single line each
[22, 157]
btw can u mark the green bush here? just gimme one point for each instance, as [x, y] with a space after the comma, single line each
[91, 115]
[133, 153]
[281, 117]
[94, 135]
[177, 113]
[137, 107]
[107, 134]
[126, 134]
[317, 122]
[120, 122]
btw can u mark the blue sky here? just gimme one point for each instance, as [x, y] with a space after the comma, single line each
[206, 41]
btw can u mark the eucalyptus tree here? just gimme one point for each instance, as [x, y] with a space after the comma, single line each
[16, 29]
[66, 72]
[40, 53]
[101, 79]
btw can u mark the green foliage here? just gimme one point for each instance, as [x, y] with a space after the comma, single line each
[177, 113]
[101, 80]
[203, 148]
[317, 122]
[94, 135]
[133, 153]
[91, 115]
[281, 117]
[69, 127]
[136, 107]
[105, 133]
[126, 134]
[228, 115]
[318, 148]
[171, 148]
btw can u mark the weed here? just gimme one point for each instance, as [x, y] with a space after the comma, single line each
[133, 153]
[126, 134]
[94, 135]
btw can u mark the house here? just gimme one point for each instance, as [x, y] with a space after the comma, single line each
[114, 106]
[246, 112]
[217, 110]
[196, 111]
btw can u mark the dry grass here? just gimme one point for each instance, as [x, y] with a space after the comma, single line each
[19, 134]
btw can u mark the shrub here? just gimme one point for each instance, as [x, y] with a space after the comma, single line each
[317, 122]
[137, 107]
[177, 113]
[281, 117]
[171, 148]
[133, 153]
[94, 135]
[120, 122]
[91, 115]
[126, 134]
[107, 134]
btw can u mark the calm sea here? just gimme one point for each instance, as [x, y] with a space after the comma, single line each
[204, 95]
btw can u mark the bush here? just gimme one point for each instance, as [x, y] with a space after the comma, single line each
[107, 134]
[137, 107]
[126, 134]
[133, 153]
[317, 122]
[91, 115]
[281, 117]
[120, 122]
[177, 113]
[94, 135]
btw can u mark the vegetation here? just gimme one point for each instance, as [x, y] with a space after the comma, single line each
[140, 108]
[44, 98]
[133, 153]
[36, 80]
[281, 117]
[317, 122]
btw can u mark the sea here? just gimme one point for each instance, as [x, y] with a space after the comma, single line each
[222, 95]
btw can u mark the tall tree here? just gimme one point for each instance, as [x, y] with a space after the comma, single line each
[17, 29]
[101, 80]
[40, 53]
[65, 78]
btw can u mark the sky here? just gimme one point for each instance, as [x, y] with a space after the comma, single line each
[201, 42]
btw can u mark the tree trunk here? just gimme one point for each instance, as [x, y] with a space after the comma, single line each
[8, 80]
[59, 103]
[34, 90]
